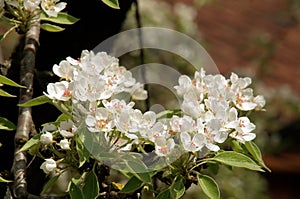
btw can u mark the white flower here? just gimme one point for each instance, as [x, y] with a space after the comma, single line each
[59, 91]
[126, 124]
[157, 130]
[65, 70]
[192, 142]
[64, 144]
[243, 128]
[185, 83]
[31, 5]
[52, 8]
[239, 83]
[259, 101]
[116, 106]
[192, 105]
[95, 64]
[164, 146]
[139, 93]
[67, 128]
[49, 127]
[101, 122]
[244, 100]
[46, 138]
[89, 88]
[48, 166]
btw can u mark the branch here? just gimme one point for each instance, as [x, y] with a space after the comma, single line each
[25, 123]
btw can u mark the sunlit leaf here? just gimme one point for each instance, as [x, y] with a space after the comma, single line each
[5, 94]
[112, 3]
[51, 27]
[209, 186]
[63, 117]
[30, 143]
[236, 159]
[36, 101]
[91, 187]
[132, 185]
[62, 18]
[168, 113]
[7, 81]
[5, 124]
[255, 152]
[4, 180]
[83, 153]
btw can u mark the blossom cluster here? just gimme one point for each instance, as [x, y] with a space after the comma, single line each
[213, 108]
[50, 7]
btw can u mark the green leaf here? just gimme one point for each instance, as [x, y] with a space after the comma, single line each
[236, 146]
[30, 143]
[49, 183]
[5, 94]
[51, 27]
[136, 167]
[36, 101]
[209, 186]
[112, 3]
[168, 113]
[132, 185]
[90, 188]
[177, 188]
[83, 153]
[75, 191]
[236, 159]
[63, 117]
[254, 150]
[62, 18]
[166, 194]
[3, 180]
[7, 81]
[7, 125]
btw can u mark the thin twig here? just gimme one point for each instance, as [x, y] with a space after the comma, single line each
[25, 123]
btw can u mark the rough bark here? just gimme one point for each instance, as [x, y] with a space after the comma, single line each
[25, 122]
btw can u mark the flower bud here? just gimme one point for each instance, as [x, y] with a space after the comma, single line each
[48, 166]
[64, 144]
[46, 138]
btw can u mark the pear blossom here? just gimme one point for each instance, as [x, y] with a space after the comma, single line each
[59, 91]
[95, 64]
[52, 7]
[49, 128]
[243, 128]
[185, 84]
[65, 70]
[64, 144]
[46, 138]
[116, 106]
[192, 142]
[212, 107]
[48, 166]
[164, 146]
[67, 128]
[100, 122]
